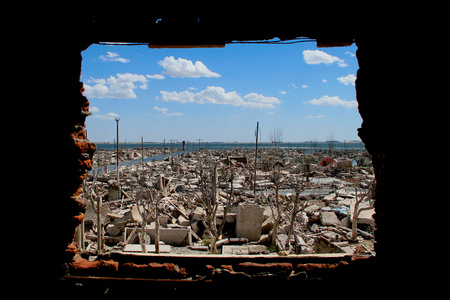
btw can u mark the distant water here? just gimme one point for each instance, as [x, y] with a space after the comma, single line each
[307, 146]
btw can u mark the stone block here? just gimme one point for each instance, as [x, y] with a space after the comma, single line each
[244, 249]
[183, 221]
[199, 213]
[364, 217]
[172, 236]
[329, 218]
[149, 248]
[249, 221]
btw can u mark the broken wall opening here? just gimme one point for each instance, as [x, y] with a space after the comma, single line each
[376, 131]
[335, 242]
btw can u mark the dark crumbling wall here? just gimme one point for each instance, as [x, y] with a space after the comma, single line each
[72, 158]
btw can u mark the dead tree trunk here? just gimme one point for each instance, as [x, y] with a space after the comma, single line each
[357, 210]
[276, 217]
[298, 208]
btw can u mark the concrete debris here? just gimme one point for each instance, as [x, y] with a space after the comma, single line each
[205, 201]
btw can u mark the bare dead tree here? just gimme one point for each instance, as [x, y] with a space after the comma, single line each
[369, 196]
[299, 207]
[91, 192]
[147, 200]
[331, 142]
[315, 143]
[275, 215]
[276, 137]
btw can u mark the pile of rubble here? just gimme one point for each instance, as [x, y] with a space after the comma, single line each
[211, 202]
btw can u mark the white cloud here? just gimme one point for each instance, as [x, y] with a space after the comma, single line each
[282, 92]
[260, 101]
[173, 114]
[315, 117]
[164, 110]
[155, 76]
[94, 109]
[217, 95]
[305, 86]
[108, 116]
[324, 80]
[315, 57]
[333, 101]
[120, 87]
[161, 109]
[349, 79]
[185, 68]
[113, 56]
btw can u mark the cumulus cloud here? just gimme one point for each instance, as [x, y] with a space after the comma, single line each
[94, 109]
[260, 101]
[108, 116]
[185, 68]
[113, 56]
[349, 79]
[333, 101]
[155, 76]
[165, 110]
[120, 87]
[315, 57]
[217, 95]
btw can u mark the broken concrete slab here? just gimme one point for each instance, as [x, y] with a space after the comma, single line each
[249, 221]
[183, 221]
[328, 218]
[364, 217]
[149, 248]
[199, 214]
[172, 236]
[244, 249]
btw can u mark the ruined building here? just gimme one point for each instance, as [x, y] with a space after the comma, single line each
[382, 87]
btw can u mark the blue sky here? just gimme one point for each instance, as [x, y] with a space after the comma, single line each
[219, 94]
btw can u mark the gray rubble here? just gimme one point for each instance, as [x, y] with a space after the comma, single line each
[205, 199]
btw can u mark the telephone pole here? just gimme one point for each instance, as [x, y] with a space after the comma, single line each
[142, 147]
[256, 158]
[117, 151]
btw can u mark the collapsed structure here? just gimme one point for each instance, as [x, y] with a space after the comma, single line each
[204, 202]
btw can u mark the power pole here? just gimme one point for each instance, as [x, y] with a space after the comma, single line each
[142, 146]
[256, 158]
[117, 151]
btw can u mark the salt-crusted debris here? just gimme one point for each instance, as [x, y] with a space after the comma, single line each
[203, 202]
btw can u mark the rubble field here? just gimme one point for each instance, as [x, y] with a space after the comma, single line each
[214, 201]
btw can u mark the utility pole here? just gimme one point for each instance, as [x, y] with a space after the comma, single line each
[142, 146]
[99, 226]
[117, 153]
[199, 143]
[256, 158]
